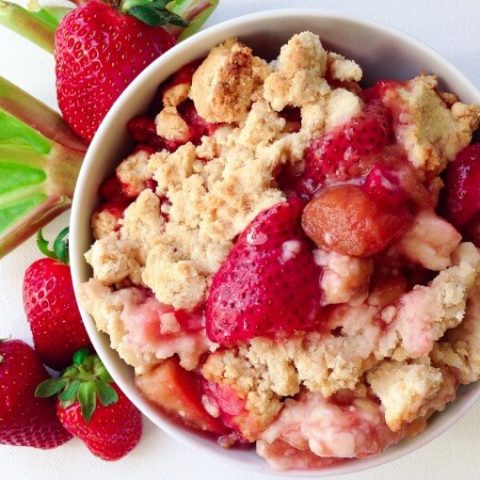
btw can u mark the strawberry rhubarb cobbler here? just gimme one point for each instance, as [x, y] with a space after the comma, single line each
[288, 259]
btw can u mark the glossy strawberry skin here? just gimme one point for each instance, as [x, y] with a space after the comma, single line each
[24, 419]
[98, 52]
[460, 198]
[266, 286]
[334, 154]
[52, 312]
[111, 433]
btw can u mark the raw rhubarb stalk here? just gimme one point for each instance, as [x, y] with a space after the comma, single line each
[37, 26]
[195, 12]
[39, 163]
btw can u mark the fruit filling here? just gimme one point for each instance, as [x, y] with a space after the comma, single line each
[288, 257]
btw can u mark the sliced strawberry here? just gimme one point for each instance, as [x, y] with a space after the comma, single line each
[379, 89]
[143, 147]
[334, 154]
[179, 393]
[356, 220]
[269, 283]
[198, 125]
[460, 199]
[112, 190]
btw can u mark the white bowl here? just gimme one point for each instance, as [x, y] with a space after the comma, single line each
[381, 51]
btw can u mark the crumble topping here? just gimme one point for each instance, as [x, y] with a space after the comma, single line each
[134, 171]
[223, 84]
[143, 224]
[323, 363]
[344, 279]
[405, 389]
[343, 69]
[113, 260]
[460, 348]
[430, 131]
[421, 316]
[170, 125]
[299, 72]
[103, 223]
[430, 241]
[176, 94]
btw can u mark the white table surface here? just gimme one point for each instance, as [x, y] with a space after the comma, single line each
[451, 27]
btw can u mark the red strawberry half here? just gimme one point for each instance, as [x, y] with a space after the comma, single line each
[461, 195]
[93, 408]
[24, 419]
[269, 283]
[50, 305]
[335, 154]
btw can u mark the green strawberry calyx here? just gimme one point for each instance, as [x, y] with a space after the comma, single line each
[85, 381]
[152, 12]
[60, 246]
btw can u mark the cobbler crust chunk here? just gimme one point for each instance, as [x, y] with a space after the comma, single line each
[399, 326]
[431, 132]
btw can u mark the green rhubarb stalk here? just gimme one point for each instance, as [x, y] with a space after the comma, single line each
[195, 12]
[40, 159]
[37, 26]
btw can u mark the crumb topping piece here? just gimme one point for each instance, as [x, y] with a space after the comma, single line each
[422, 315]
[170, 125]
[460, 348]
[344, 278]
[430, 241]
[103, 223]
[343, 69]
[431, 132]
[223, 84]
[299, 73]
[405, 389]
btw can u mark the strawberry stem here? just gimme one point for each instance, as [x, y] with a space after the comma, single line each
[82, 382]
[38, 27]
[39, 162]
[60, 247]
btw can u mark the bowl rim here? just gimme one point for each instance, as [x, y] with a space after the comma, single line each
[76, 253]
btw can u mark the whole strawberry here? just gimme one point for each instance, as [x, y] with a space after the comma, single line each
[99, 50]
[50, 306]
[91, 407]
[24, 419]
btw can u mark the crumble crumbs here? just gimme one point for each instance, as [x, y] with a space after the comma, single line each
[103, 223]
[405, 389]
[460, 348]
[430, 131]
[170, 125]
[223, 84]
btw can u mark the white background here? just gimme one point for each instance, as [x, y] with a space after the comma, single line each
[450, 27]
